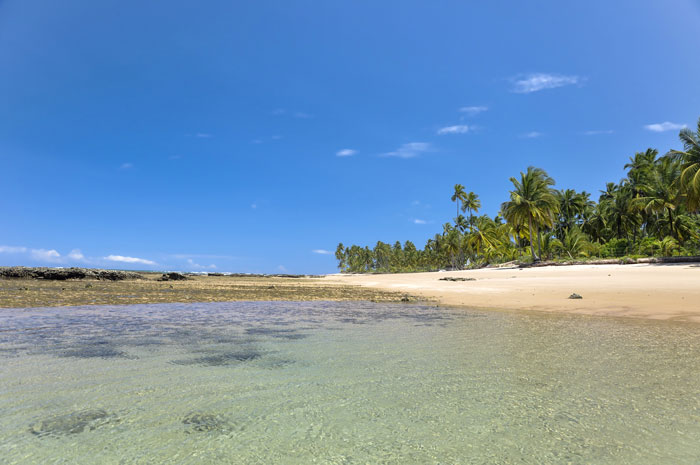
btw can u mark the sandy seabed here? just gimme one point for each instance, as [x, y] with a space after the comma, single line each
[656, 291]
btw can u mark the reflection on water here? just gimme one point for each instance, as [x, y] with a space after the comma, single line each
[343, 383]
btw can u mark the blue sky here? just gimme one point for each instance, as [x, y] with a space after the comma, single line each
[254, 136]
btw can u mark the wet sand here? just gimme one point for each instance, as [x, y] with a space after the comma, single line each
[665, 292]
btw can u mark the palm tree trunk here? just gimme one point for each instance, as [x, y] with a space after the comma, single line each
[670, 223]
[532, 242]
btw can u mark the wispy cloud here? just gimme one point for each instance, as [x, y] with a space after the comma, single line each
[457, 129]
[187, 256]
[253, 206]
[322, 252]
[282, 268]
[473, 111]
[410, 150]
[531, 135]
[346, 153]
[197, 266]
[76, 255]
[302, 115]
[541, 81]
[11, 249]
[665, 126]
[123, 259]
[419, 221]
[126, 166]
[203, 135]
[45, 255]
[598, 132]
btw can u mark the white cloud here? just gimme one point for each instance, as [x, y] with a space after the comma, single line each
[254, 206]
[203, 135]
[418, 221]
[45, 255]
[598, 132]
[322, 252]
[346, 153]
[410, 150]
[458, 129]
[540, 81]
[276, 137]
[282, 268]
[279, 111]
[256, 141]
[126, 166]
[302, 115]
[10, 249]
[197, 266]
[76, 254]
[473, 111]
[531, 135]
[665, 126]
[121, 258]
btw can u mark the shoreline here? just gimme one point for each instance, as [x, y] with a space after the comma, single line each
[651, 291]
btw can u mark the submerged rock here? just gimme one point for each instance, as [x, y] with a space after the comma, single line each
[205, 422]
[72, 423]
[222, 359]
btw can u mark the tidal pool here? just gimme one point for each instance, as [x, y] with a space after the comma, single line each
[343, 383]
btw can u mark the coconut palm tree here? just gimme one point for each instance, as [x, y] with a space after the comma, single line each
[461, 223]
[471, 204]
[662, 195]
[572, 206]
[690, 166]
[531, 203]
[459, 196]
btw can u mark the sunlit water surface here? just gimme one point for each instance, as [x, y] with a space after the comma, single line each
[304, 383]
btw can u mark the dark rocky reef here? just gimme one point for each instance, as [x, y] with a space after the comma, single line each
[62, 274]
[173, 276]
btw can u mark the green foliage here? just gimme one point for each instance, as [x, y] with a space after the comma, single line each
[651, 212]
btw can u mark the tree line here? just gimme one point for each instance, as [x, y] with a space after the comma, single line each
[652, 211]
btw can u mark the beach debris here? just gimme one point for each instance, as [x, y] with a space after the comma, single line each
[173, 276]
[575, 296]
[72, 423]
[205, 422]
[405, 298]
[457, 279]
[88, 286]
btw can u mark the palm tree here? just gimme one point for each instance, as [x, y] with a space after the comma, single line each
[461, 223]
[472, 204]
[690, 166]
[572, 205]
[662, 195]
[531, 203]
[459, 196]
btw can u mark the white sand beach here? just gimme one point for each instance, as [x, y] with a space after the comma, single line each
[665, 292]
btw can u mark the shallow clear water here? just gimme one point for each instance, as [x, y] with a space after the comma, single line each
[343, 383]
